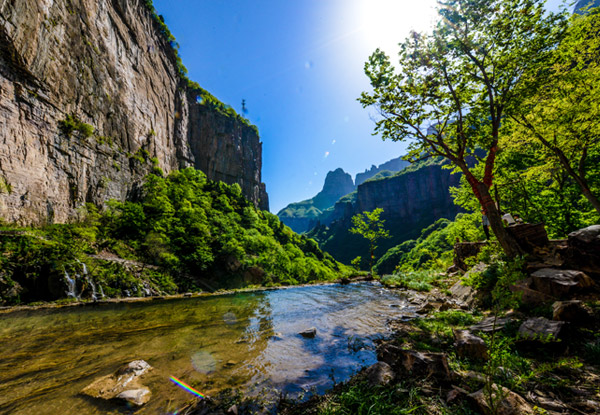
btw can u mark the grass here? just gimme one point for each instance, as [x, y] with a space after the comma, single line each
[416, 280]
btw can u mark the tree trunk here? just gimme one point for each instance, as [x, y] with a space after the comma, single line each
[579, 178]
[507, 241]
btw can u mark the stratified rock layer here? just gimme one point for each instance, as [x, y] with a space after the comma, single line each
[106, 63]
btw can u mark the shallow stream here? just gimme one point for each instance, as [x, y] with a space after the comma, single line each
[246, 340]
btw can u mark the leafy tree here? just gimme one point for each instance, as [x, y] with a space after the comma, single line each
[455, 86]
[370, 226]
[562, 112]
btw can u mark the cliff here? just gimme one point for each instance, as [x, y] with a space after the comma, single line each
[412, 200]
[91, 99]
[302, 216]
[393, 165]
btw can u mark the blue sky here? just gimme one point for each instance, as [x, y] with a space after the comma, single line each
[298, 64]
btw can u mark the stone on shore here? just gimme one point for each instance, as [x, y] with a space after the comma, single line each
[379, 374]
[540, 329]
[509, 402]
[583, 250]
[572, 311]
[560, 283]
[414, 363]
[470, 346]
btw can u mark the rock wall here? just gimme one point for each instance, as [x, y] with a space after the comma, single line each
[396, 164]
[106, 63]
[302, 216]
[411, 201]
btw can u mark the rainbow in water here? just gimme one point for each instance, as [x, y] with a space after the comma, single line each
[186, 387]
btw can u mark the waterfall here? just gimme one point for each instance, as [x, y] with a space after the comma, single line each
[71, 286]
[90, 281]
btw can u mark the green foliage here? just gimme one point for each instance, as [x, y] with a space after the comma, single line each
[361, 399]
[193, 226]
[560, 115]
[72, 123]
[416, 280]
[190, 232]
[433, 250]
[455, 86]
[369, 225]
[5, 186]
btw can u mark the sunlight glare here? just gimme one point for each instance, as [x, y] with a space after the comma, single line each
[385, 23]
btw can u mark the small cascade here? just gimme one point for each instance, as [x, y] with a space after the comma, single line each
[71, 285]
[90, 281]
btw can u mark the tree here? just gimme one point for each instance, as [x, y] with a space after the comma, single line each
[454, 86]
[562, 112]
[370, 226]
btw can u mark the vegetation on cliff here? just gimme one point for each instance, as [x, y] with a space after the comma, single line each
[183, 233]
[206, 98]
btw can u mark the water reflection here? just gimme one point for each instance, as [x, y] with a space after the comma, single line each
[246, 340]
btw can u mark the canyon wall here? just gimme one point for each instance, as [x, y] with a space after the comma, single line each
[302, 216]
[411, 200]
[91, 100]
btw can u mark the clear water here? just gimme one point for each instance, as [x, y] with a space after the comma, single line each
[247, 340]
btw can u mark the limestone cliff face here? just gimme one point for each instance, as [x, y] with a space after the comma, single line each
[411, 200]
[106, 63]
[338, 183]
[396, 164]
[227, 150]
[302, 216]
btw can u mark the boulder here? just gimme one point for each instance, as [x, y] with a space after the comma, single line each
[124, 384]
[137, 397]
[560, 283]
[487, 325]
[379, 374]
[413, 363]
[540, 329]
[573, 311]
[465, 294]
[529, 295]
[309, 333]
[509, 403]
[469, 346]
[583, 250]
[456, 394]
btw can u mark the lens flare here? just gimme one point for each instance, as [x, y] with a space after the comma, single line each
[186, 387]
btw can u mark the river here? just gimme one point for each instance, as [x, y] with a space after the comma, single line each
[248, 341]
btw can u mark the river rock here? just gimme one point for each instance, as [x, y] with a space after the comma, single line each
[123, 384]
[487, 325]
[414, 363]
[470, 346]
[464, 293]
[540, 329]
[560, 283]
[510, 404]
[528, 295]
[572, 311]
[309, 333]
[137, 397]
[379, 374]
